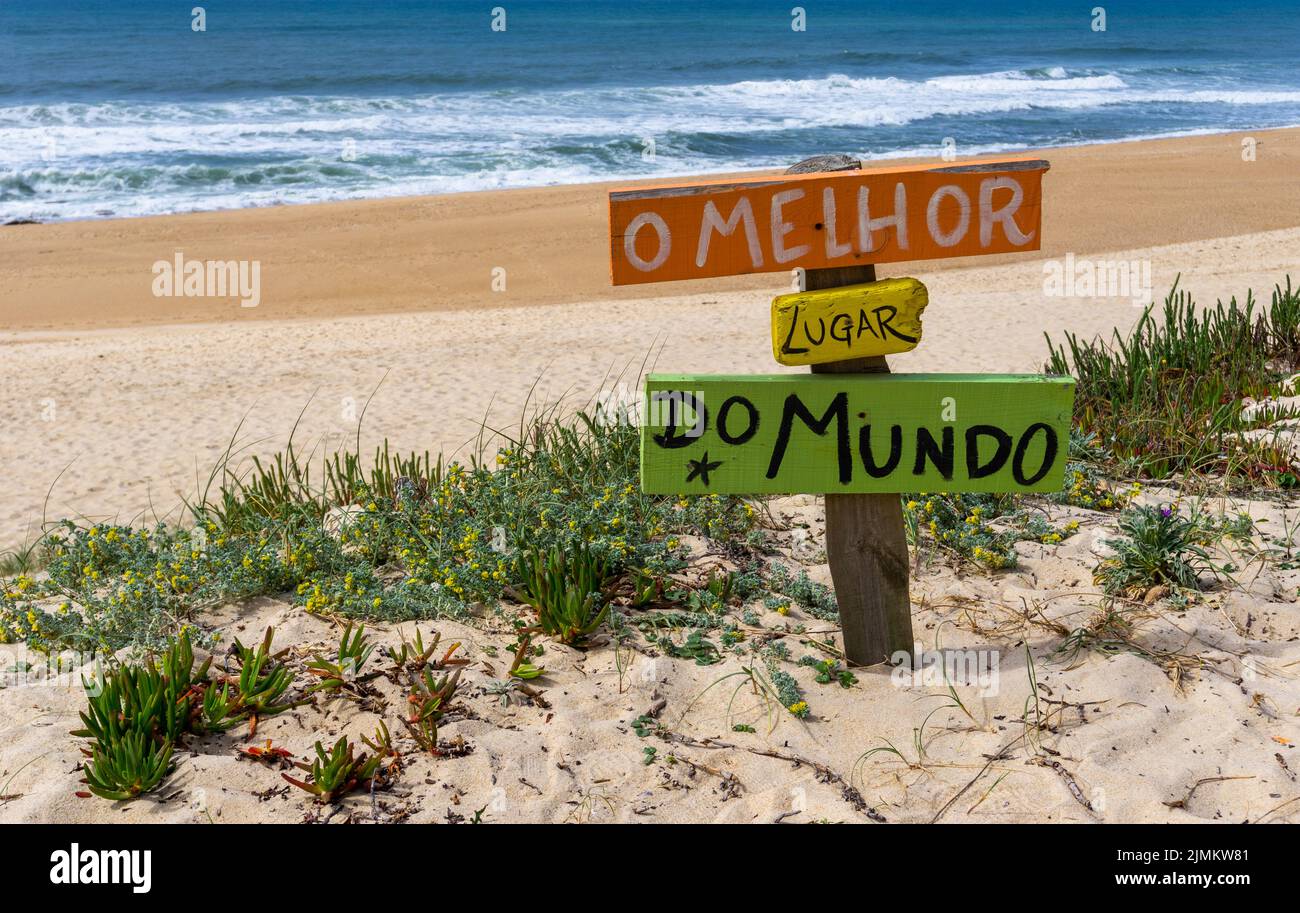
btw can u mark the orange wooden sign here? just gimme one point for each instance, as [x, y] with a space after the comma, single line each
[815, 221]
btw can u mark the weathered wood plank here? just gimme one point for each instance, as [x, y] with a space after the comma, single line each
[825, 219]
[852, 321]
[866, 542]
[843, 433]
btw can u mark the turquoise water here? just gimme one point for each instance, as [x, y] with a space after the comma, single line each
[121, 108]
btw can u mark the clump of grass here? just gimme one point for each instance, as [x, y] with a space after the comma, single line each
[1157, 546]
[1166, 396]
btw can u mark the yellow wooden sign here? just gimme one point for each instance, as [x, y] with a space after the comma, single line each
[851, 321]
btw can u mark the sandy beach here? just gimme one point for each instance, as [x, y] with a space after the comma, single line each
[387, 308]
[394, 298]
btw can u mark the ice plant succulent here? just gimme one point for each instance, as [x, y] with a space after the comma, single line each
[566, 588]
[345, 669]
[144, 699]
[127, 766]
[338, 771]
[262, 682]
[428, 700]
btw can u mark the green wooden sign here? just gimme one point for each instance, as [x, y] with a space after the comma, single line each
[826, 433]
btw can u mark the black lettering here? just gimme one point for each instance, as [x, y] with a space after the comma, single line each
[973, 468]
[842, 328]
[837, 411]
[671, 439]
[821, 324]
[895, 451]
[1049, 456]
[864, 323]
[750, 430]
[884, 323]
[789, 337]
[928, 448]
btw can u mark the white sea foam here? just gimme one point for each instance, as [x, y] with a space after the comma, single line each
[73, 160]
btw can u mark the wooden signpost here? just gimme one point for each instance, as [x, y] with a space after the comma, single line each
[851, 430]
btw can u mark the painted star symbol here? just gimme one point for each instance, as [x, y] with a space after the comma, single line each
[701, 468]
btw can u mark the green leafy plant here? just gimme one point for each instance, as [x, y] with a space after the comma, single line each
[696, 646]
[566, 588]
[219, 712]
[344, 670]
[1157, 547]
[337, 772]
[145, 699]
[413, 655]
[644, 588]
[382, 744]
[127, 766]
[428, 700]
[816, 599]
[520, 667]
[262, 682]
[830, 670]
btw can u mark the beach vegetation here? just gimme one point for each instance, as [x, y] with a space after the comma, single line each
[1157, 547]
[984, 528]
[344, 669]
[334, 773]
[157, 702]
[817, 599]
[567, 589]
[428, 700]
[394, 538]
[127, 766]
[412, 655]
[1167, 395]
[134, 716]
[262, 683]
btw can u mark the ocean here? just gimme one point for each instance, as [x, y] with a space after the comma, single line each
[121, 108]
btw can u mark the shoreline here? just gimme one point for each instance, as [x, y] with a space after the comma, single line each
[899, 157]
[438, 253]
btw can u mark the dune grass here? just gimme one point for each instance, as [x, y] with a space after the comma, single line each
[1166, 397]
